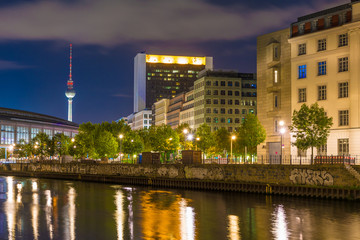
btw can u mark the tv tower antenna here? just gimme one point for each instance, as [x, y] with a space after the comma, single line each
[70, 92]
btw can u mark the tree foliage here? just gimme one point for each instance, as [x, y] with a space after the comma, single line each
[206, 138]
[311, 127]
[222, 139]
[251, 133]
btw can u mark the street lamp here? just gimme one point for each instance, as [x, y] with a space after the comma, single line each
[233, 137]
[121, 137]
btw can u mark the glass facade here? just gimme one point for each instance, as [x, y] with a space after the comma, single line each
[7, 134]
[34, 132]
[22, 133]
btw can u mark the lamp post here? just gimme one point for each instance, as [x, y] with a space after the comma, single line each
[121, 137]
[233, 137]
[190, 137]
[282, 132]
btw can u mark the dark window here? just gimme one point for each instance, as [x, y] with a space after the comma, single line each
[222, 83]
[230, 101]
[222, 92]
[237, 102]
[222, 101]
[229, 83]
[237, 93]
[208, 101]
[215, 101]
[229, 93]
[222, 110]
[215, 92]
[230, 111]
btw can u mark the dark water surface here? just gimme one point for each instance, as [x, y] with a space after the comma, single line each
[54, 209]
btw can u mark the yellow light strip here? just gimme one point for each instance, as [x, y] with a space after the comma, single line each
[175, 59]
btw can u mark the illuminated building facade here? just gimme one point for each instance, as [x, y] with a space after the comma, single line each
[140, 120]
[161, 76]
[159, 112]
[187, 111]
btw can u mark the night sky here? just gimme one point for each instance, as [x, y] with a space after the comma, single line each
[107, 34]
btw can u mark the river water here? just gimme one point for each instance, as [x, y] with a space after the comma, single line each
[53, 209]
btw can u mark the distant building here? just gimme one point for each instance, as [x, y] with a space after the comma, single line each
[220, 101]
[159, 113]
[162, 76]
[17, 125]
[274, 90]
[140, 120]
[173, 114]
[187, 111]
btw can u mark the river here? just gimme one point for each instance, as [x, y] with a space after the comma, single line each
[54, 209]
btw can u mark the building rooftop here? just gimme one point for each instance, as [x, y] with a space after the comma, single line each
[226, 73]
[13, 114]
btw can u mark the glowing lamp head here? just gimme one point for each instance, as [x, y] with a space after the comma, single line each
[282, 130]
[190, 137]
[233, 137]
[281, 123]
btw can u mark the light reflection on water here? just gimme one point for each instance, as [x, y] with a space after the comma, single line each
[52, 209]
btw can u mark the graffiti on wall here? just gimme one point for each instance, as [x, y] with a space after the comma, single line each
[311, 177]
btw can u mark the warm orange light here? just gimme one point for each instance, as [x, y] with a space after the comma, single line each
[175, 59]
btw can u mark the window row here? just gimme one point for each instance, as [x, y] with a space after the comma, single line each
[231, 102]
[223, 83]
[229, 111]
[343, 66]
[222, 120]
[343, 92]
[343, 40]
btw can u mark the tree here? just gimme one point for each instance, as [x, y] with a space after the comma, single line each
[145, 136]
[311, 127]
[251, 133]
[60, 144]
[164, 139]
[182, 136]
[132, 143]
[106, 145]
[42, 145]
[206, 139]
[222, 141]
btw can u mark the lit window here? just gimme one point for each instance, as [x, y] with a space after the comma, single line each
[302, 71]
[276, 76]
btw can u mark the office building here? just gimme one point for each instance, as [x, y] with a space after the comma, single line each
[162, 76]
[218, 99]
[187, 111]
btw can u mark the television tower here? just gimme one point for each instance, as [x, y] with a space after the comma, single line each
[70, 92]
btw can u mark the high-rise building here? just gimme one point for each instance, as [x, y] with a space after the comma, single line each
[274, 91]
[221, 101]
[70, 92]
[162, 76]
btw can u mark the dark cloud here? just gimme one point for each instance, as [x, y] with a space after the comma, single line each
[9, 65]
[114, 22]
[120, 95]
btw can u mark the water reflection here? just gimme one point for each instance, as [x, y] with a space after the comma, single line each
[48, 213]
[166, 216]
[10, 208]
[119, 214]
[187, 220]
[280, 229]
[35, 211]
[51, 209]
[234, 229]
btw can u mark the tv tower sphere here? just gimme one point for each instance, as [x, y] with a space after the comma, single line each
[70, 93]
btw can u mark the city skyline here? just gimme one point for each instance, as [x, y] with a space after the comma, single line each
[34, 59]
